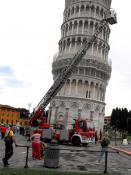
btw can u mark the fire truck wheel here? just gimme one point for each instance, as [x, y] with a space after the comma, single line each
[47, 140]
[76, 141]
[60, 142]
[84, 144]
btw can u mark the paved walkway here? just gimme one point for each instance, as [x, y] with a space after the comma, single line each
[75, 159]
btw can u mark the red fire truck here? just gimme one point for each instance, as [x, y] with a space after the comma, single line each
[79, 134]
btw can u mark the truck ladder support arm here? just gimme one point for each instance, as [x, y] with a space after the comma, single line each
[61, 79]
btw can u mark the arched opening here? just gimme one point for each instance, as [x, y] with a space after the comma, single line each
[78, 41]
[97, 11]
[82, 8]
[72, 11]
[69, 13]
[73, 87]
[87, 94]
[64, 44]
[101, 13]
[91, 26]
[75, 26]
[87, 8]
[70, 27]
[66, 29]
[68, 42]
[86, 25]
[80, 26]
[77, 9]
[67, 89]
[80, 88]
[73, 42]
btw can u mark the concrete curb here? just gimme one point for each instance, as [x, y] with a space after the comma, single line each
[121, 150]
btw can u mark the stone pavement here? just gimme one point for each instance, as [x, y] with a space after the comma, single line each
[74, 159]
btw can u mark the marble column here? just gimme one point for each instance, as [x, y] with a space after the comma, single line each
[56, 112]
[49, 114]
[66, 117]
[79, 113]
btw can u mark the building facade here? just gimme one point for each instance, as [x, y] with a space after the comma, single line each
[13, 116]
[83, 95]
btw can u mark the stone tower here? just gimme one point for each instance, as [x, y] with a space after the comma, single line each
[83, 95]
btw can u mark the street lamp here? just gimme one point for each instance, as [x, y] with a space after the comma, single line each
[29, 105]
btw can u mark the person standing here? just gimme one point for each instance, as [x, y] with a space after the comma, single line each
[18, 129]
[36, 145]
[104, 147]
[9, 140]
[96, 137]
[0, 135]
[100, 135]
[3, 131]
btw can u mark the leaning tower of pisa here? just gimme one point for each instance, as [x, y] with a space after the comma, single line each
[83, 95]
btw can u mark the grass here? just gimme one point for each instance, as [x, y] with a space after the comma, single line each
[129, 137]
[9, 171]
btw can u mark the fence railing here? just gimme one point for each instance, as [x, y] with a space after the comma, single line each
[54, 149]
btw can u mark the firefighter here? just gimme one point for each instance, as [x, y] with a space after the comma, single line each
[36, 145]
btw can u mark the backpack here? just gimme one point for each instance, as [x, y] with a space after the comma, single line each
[8, 140]
[105, 142]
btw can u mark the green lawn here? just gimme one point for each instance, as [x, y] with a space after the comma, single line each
[129, 138]
[9, 171]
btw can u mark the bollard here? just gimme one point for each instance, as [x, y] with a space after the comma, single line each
[51, 156]
[26, 162]
[106, 157]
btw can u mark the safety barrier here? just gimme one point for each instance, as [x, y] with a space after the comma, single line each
[52, 154]
[27, 154]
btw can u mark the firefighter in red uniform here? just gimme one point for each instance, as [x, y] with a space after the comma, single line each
[36, 145]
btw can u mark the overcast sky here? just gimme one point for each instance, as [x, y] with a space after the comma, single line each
[29, 35]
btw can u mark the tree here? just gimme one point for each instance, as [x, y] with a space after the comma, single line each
[119, 119]
[113, 117]
[129, 122]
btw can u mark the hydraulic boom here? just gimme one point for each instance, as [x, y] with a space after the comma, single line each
[59, 82]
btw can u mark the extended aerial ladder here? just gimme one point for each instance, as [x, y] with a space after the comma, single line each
[110, 18]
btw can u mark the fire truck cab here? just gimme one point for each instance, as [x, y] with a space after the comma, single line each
[80, 134]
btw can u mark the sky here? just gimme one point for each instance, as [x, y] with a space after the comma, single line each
[29, 35]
